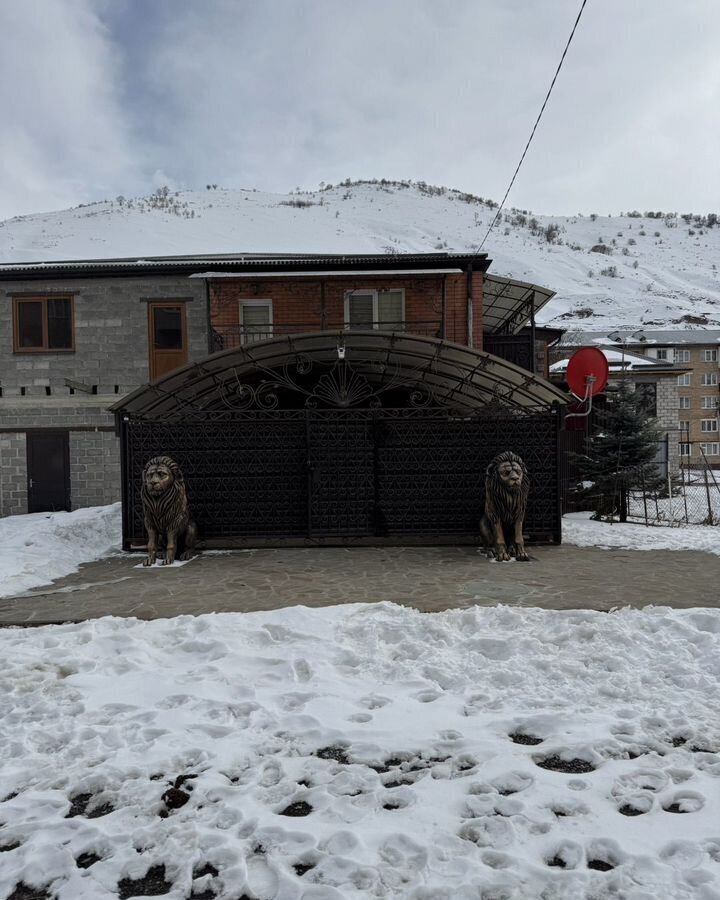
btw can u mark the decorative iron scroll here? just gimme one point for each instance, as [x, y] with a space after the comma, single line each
[329, 385]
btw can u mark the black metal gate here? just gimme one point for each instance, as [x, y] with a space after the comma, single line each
[342, 476]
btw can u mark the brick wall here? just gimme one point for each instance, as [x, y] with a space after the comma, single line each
[94, 468]
[299, 302]
[13, 474]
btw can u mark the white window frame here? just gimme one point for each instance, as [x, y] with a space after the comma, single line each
[684, 425]
[711, 449]
[684, 403]
[259, 302]
[685, 449]
[375, 304]
[708, 425]
[710, 356]
[710, 402]
[684, 380]
[661, 353]
[710, 379]
[682, 355]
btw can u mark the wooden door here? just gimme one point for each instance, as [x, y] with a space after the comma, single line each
[48, 466]
[167, 337]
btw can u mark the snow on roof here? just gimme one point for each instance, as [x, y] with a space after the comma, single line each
[696, 335]
[618, 360]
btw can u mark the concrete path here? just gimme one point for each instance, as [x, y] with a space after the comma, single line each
[428, 578]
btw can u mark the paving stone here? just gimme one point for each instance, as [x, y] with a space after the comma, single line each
[428, 578]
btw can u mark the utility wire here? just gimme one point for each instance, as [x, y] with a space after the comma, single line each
[532, 133]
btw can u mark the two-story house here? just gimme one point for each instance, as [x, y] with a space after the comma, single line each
[84, 336]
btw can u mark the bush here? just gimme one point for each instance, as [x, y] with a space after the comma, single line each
[601, 248]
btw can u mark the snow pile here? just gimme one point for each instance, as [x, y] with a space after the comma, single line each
[581, 530]
[36, 549]
[365, 751]
[609, 271]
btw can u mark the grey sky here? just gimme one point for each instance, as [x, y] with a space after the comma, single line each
[102, 97]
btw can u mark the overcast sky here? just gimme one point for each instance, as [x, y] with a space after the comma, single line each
[102, 97]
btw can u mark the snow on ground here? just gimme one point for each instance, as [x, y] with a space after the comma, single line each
[365, 751]
[38, 548]
[581, 530]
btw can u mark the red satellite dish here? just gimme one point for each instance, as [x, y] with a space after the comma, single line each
[590, 362]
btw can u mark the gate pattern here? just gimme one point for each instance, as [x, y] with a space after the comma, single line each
[342, 476]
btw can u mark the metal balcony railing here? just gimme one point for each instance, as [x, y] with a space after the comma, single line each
[225, 338]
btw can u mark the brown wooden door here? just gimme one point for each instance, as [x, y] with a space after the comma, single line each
[167, 337]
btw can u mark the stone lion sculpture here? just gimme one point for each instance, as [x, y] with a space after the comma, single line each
[506, 492]
[166, 511]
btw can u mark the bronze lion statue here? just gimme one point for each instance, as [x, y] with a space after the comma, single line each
[166, 511]
[506, 492]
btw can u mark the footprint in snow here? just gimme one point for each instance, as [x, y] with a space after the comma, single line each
[303, 670]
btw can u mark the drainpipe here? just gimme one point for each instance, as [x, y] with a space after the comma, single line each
[208, 317]
[444, 303]
[533, 365]
[470, 304]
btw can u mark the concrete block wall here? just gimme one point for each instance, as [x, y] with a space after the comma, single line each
[94, 468]
[13, 474]
[111, 358]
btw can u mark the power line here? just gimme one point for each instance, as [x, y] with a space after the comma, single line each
[532, 133]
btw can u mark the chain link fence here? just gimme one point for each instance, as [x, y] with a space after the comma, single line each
[688, 495]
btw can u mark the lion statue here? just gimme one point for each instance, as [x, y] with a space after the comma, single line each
[166, 512]
[506, 492]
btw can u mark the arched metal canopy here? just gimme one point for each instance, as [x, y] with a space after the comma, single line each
[342, 369]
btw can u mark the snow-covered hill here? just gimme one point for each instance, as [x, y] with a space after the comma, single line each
[624, 270]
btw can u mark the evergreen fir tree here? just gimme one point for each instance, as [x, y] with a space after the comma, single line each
[621, 454]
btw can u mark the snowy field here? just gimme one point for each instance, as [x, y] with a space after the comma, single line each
[364, 751]
[581, 530]
[38, 548]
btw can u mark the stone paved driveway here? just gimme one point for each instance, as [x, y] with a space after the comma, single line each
[428, 578]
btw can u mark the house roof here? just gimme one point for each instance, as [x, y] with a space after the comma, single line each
[507, 303]
[238, 262]
[660, 338]
[619, 362]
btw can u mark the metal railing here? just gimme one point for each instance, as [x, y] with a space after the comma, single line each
[225, 338]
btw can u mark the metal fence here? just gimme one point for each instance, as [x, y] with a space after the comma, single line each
[689, 493]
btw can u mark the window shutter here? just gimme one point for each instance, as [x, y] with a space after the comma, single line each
[390, 308]
[360, 311]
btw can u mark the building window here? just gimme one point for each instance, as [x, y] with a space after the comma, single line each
[710, 355]
[661, 354]
[685, 449]
[684, 380]
[709, 378]
[684, 402]
[682, 356]
[712, 449]
[375, 309]
[708, 425]
[43, 323]
[684, 424]
[256, 320]
[710, 402]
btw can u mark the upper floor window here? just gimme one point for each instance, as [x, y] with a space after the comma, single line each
[684, 380]
[256, 320]
[42, 323]
[685, 449]
[375, 309]
[710, 355]
[710, 402]
[684, 402]
[684, 424]
[711, 449]
[708, 425]
[710, 378]
[682, 356]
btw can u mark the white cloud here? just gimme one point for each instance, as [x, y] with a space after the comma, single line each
[64, 137]
[114, 96]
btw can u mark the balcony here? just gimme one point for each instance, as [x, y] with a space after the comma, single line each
[226, 338]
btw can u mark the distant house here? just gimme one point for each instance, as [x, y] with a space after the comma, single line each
[695, 354]
[656, 380]
[196, 339]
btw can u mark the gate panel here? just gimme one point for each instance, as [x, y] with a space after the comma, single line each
[244, 478]
[342, 476]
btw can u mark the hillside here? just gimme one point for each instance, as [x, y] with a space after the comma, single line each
[608, 271]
